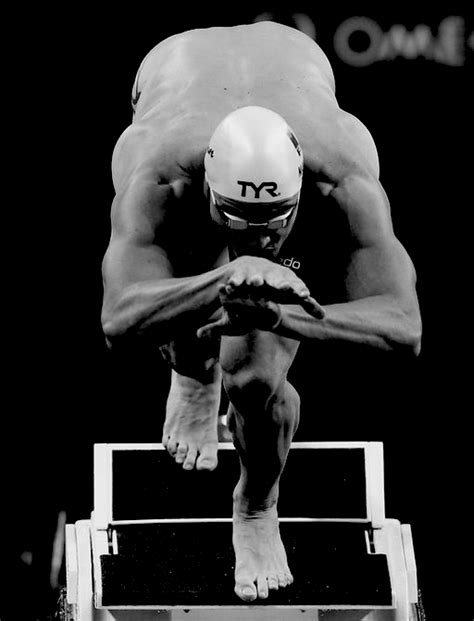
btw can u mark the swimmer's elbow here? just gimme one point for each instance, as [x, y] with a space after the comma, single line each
[410, 345]
[115, 325]
[415, 342]
[117, 334]
[112, 329]
[415, 345]
[125, 327]
[407, 338]
[413, 332]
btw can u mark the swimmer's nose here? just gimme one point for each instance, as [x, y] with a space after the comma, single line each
[264, 241]
[259, 244]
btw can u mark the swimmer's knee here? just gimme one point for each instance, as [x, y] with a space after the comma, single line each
[262, 399]
[254, 369]
[258, 350]
[252, 386]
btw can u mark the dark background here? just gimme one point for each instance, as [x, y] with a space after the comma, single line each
[70, 100]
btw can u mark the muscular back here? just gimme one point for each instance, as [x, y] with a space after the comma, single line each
[188, 83]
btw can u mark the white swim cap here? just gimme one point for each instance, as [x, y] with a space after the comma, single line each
[254, 157]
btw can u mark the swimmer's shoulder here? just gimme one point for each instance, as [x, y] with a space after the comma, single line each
[142, 152]
[361, 144]
[287, 37]
[337, 146]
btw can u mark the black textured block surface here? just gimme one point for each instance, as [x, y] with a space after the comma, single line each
[178, 564]
[148, 484]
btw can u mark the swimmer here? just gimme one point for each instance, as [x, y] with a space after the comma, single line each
[237, 142]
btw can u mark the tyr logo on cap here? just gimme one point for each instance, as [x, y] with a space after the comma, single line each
[270, 186]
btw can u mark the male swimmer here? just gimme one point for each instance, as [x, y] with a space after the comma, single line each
[236, 137]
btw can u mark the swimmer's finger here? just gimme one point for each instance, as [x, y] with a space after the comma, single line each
[289, 295]
[236, 280]
[226, 290]
[312, 307]
[296, 288]
[213, 329]
[256, 280]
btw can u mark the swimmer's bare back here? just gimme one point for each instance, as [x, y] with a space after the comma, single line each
[189, 82]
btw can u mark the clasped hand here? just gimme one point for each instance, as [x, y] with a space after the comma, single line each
[251, 297]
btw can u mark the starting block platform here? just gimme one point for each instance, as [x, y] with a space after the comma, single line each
[158, 544]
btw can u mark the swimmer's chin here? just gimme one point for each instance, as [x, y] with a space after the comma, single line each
[267, 253]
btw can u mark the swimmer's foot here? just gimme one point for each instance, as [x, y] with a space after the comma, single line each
[190, 429]
[260, 558]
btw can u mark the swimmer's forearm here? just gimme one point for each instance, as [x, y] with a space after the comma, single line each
[376, 322]
[162, 309]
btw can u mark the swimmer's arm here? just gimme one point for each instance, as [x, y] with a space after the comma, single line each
[161, 307]
[382, 309]
[141, 296]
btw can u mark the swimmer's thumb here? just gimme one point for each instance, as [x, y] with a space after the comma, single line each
[213, 329]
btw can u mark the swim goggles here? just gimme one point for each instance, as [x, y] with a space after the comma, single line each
[234, 214]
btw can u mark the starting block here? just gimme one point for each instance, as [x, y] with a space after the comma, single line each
[158, 544]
